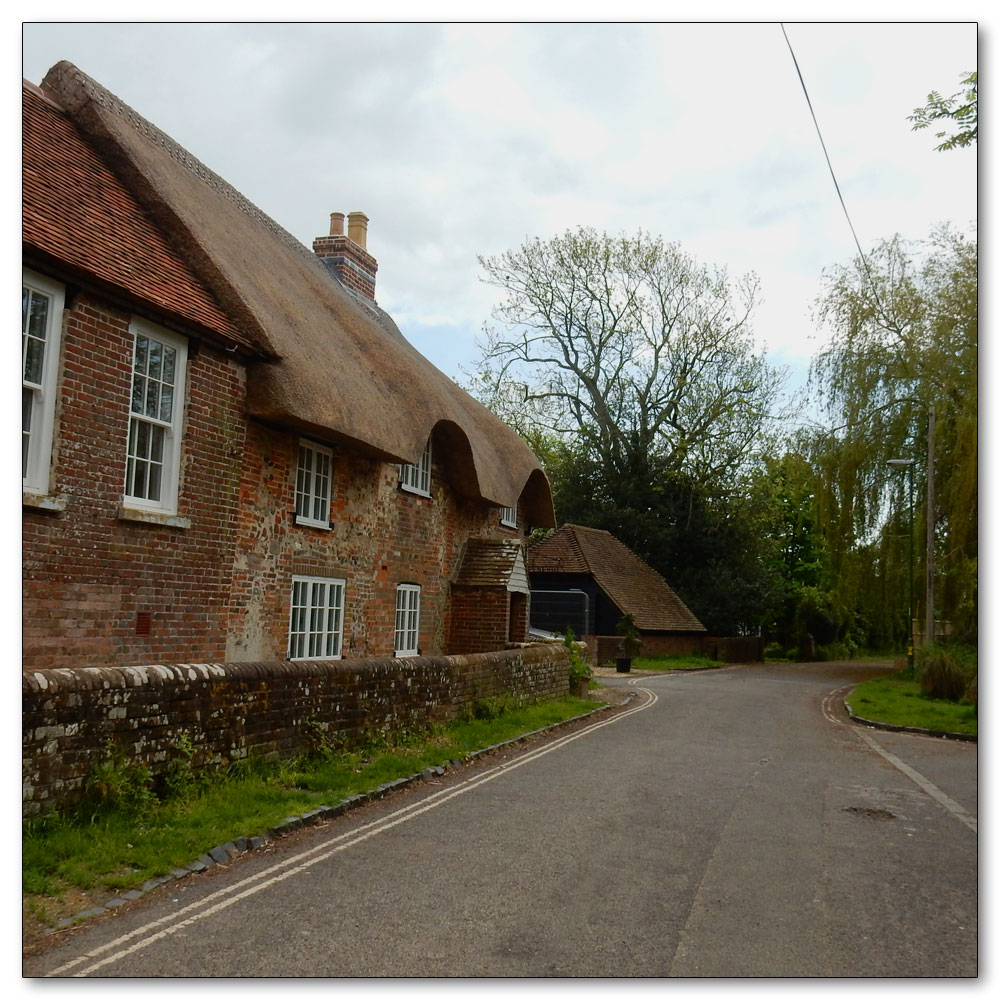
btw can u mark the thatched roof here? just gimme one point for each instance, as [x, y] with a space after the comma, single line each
[635, 587]
[79, 216]
[337, 366]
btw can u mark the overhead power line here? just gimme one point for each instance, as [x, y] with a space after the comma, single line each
[833, 175]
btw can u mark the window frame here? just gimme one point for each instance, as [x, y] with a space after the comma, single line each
[37, 459]
[318, 451]
[407, 605]
[416, 477]
[172, 429]
[304, 638]
[508, 517]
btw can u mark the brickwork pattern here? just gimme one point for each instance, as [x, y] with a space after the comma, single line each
[219, 589]
[87, 572]
[379, 537]
[355, 266]
[230, 711]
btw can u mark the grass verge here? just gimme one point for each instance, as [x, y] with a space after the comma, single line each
[133, 835]
[898, 701]
[674, 663]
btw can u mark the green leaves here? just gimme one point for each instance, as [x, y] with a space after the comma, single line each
[961, 110]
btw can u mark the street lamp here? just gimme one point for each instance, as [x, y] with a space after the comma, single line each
[908, 463]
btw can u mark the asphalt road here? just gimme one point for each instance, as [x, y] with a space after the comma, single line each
[727, 823]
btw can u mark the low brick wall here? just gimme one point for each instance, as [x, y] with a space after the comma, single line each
[234, 710]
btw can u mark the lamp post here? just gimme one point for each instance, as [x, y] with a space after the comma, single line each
[908, 463]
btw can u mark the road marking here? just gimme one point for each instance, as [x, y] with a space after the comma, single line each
[221, 899]
[958, 811]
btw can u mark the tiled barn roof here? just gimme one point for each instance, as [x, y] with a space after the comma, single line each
[340, 367]
[635, 587]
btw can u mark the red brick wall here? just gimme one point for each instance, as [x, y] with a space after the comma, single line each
[220, 589]
[381, 536]
[86, 572]
[480, 619]
[355, 266]
[231, 711]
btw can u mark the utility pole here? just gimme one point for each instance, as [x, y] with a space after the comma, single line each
[908, 464]
[929, 610]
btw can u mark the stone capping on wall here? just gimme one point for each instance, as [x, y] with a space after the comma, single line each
[230, 711]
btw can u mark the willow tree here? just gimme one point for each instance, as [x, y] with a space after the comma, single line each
[905, 340]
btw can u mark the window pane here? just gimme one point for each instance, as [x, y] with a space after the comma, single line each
[38, 315]
[34, 327]
[140, 438]
[138, 392]
[167, 389]
[167, 403]
[157, 437]
[27, 409]
[152, 408]
[155, 473]
[169, 364]
[155, 358]
[33, 356]
[302, 485]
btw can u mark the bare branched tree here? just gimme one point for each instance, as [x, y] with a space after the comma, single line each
[631, 348]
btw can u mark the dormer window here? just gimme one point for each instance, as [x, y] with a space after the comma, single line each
[312, 485]
[417, 478]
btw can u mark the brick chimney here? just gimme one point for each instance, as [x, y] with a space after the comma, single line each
[346, 256]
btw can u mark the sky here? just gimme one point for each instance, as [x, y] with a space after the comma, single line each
[465, 139]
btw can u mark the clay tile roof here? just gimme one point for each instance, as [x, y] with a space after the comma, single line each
[489, 563]
[77, 212]
[635, 587]
[342, 368]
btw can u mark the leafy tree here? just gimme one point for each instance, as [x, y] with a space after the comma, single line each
[960, 111]
[632, 349]
[905, 331]
[631, 371]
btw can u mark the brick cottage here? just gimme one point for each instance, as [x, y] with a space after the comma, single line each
[230, 452]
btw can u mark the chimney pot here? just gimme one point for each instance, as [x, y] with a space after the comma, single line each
[336, 223]
[357, 228]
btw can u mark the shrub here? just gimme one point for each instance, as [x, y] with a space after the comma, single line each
[115, 784]
[579, 669]
[946, 670]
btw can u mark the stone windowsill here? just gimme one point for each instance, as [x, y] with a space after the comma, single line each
[43, 501]
[153, 517]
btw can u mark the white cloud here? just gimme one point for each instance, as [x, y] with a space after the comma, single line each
[464, 139]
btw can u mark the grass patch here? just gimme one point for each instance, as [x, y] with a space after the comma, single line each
[125, 834]
[898, 700]
[687, 662]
